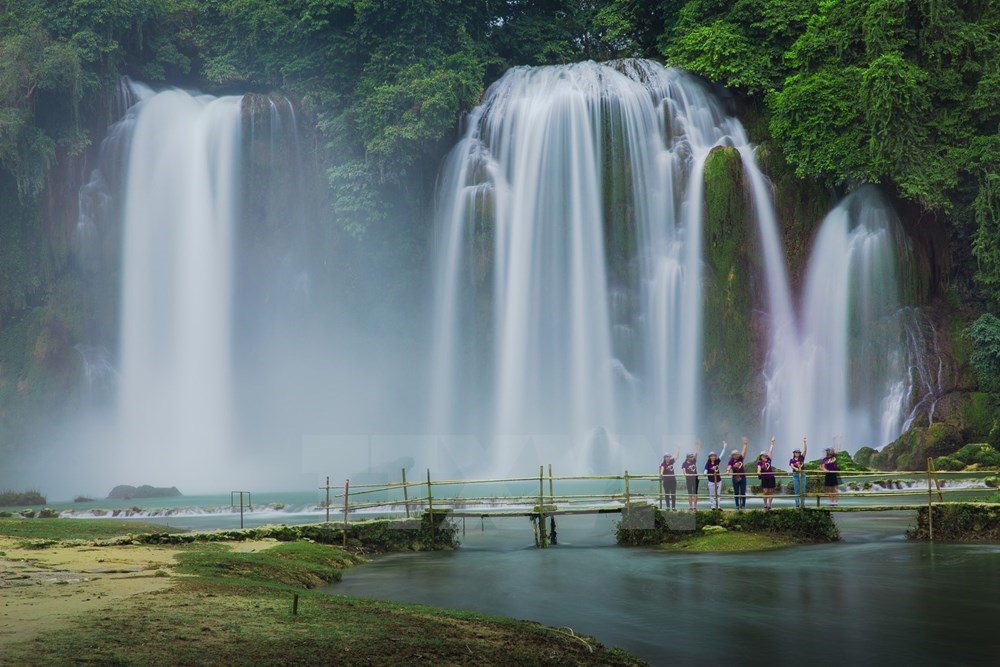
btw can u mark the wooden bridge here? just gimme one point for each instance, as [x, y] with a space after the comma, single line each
[536, 497]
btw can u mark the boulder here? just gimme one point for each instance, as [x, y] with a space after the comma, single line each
[126, 492]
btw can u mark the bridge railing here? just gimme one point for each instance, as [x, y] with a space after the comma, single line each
[536, 495]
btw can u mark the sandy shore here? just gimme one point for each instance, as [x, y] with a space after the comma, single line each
[41, 589]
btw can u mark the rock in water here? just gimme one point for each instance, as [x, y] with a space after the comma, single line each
[126, 492]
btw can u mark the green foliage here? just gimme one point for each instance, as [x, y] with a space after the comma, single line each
[986, 249]
[947, 463]
[10, 498]
[985, 358]
[803, 526]
[959, 522]
[978, 454]
[844, 461]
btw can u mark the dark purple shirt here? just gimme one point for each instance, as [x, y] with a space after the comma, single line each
[765, 469]
[667, 467]
[830, 464]
[690, 466]
[793, 462]
[738, 469]
[712, 470]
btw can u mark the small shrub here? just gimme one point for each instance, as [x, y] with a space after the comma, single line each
[947, 463]
[980, 455]
[11, 498]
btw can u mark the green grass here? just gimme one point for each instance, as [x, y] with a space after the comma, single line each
[729, 542]
[78, 529]
[234, 607]
[298, 564]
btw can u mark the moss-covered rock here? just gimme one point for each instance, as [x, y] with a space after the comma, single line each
[732, 361]
[959, 522]
[801, 525]
[912, 449]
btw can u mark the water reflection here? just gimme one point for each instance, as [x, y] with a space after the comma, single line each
[873, 596]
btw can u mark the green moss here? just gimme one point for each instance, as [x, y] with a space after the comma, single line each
[978, 414]
[796, 525]
[728, 350]
[959, 522]
[297, 564]
[729, 542]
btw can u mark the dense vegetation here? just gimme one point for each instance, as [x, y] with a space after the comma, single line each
[904, 93]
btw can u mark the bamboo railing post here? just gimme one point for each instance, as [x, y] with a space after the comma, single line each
[552, 493]
[430, 503]
[552, 519]
[930, 502]
[347, 488]
[406, 495]
[328, 499]
[541, 507]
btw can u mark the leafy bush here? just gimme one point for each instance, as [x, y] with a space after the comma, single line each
[11, 498]
[959, 522]
[807, 526]
[978, 454]
[947, 463]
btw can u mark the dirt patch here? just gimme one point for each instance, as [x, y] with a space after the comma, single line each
[44, 588]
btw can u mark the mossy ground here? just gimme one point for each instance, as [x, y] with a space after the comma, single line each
[729, 542]
[232, 604]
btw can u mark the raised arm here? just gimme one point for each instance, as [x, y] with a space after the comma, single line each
[743, 452]
[805, 447]
[697, 448]
[677, 451]
[770, 450]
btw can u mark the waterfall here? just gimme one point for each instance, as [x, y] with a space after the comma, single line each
[179, 213]
[846, 366]
[569, 263]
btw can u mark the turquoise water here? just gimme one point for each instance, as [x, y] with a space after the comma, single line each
[872, 597]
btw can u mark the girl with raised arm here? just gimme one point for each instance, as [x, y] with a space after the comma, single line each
[831, 478]
[690, 468]
[738, 470]
[797, 464]
[765, 473]
[714, 477]
[668, 479]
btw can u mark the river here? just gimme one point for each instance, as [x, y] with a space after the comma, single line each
[872, 597]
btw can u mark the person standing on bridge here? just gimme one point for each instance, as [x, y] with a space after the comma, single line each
[765, 473]
[714, 477]
[668, 480]
[690, 468]
[831, 478]
[738, 470]
[797, 464]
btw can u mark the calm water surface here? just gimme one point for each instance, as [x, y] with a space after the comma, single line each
[874, 597]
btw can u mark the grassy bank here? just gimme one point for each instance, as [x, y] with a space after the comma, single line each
[729, 542]
[959, 522]
[710, 530]
[234, 603]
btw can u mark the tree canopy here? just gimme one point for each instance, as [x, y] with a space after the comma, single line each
[899, 92]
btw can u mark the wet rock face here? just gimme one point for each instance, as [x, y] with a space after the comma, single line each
[126, 492]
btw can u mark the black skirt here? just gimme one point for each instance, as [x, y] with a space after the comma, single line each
[767, 483]
[831, 479]
[692, 485]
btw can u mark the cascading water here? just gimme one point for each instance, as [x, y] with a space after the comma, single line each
[586, 335]
[843, 368]
[180, 208]
[184, 184]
